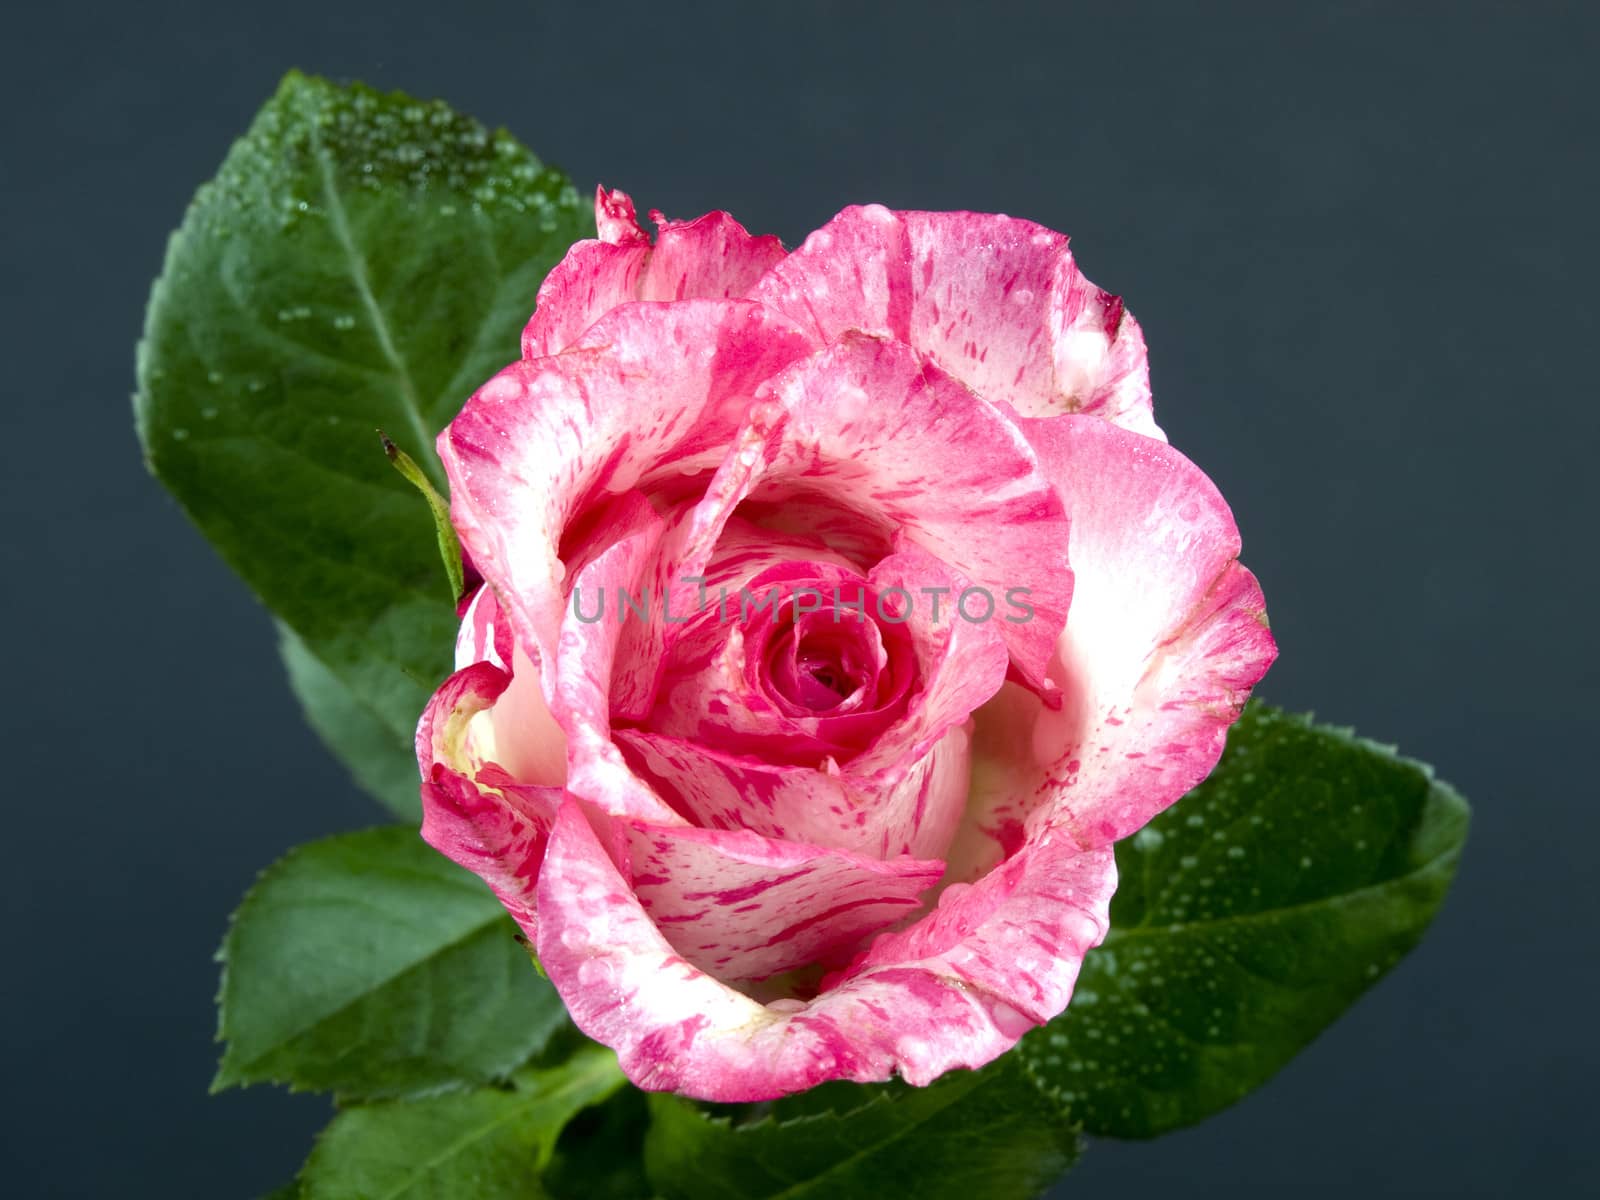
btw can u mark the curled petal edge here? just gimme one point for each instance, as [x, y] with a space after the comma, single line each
[675, 1028]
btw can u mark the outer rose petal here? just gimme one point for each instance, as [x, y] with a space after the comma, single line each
[711, 257]
[650, 393]
[615, 219]
[472, 812]
[498, 834]
[502, 712]
[676, 1028]
[741, 906]
[1166, 637]
[515, 728]
[484, 636]
[1019, 934]
[452, 730]
[997, 302]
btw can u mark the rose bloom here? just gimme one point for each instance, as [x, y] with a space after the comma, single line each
[859, 829]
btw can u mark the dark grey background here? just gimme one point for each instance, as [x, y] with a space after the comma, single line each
[1361, 244]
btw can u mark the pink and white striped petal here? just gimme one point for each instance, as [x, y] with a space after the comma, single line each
[511, 724]
[961, 663]
[915, 811]
[498, 833]
[872, 423]
[727, 756]
[1019, 934]
[651, 392]
[616, 221]
[671, 601]
[1168, 634]
[484, 636]
[586, 666]
[716, 687]
[743, 907]
[711, 257]
[455, 728]
[808, 513]
[997, 302]
[676, 1028]
[473, 811]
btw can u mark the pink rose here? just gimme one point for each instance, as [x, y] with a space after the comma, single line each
[775, 795]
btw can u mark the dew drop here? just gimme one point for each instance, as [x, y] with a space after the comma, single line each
[1148, 839]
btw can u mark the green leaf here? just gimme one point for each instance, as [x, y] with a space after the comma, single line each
[490, 1144]
[361, 260]
[1247, 917]
[987, 1133]
[600, 1154]
[381, 759]
[370, 965]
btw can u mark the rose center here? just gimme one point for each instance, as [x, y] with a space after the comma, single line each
[819, 680]
[819, 664]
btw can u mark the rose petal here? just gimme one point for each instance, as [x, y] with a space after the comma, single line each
[615, 219]
[913, 811]
[670, 597]
[997, 302]
[484, 636]
[1003, 783]
[499, 834]
[455, 729]
[1166, 637]
[961, 662]
[1101, 367]
[650, 392]
[472, 812]
[525, 737]
[712, 689]
[583, 671]
[873, 423]
[730, 757]
[804, 513]
[744, 907]
[591, 280]
[748, 547]
[1019, 934]
[675, 1028]
[711, 257]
